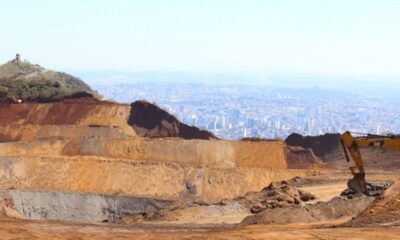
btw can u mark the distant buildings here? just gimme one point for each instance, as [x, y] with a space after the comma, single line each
[237, 111]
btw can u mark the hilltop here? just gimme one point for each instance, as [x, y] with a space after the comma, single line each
[31, 82]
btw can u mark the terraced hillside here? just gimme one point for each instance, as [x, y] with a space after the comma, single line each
[86, 146]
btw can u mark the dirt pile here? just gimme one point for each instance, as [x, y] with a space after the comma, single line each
[326, 147]
[338, 207]
[348, 204]
[149, 120]
[300, 158]
[276, 195]
[384, 210]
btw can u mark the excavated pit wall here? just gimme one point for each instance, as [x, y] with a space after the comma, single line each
[38, 121]
[42, 205]
[145, 179]
[29, 132]
[61, 113]
[90, 148]
[207, 153]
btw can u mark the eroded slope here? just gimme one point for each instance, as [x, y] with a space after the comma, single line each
[83, 145]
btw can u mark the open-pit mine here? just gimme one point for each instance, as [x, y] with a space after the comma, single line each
[77, 167]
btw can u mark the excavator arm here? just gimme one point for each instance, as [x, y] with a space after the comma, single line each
[351, 146]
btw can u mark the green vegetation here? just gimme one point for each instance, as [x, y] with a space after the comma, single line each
[29, 82]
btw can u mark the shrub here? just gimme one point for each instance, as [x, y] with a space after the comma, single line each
[3, 92]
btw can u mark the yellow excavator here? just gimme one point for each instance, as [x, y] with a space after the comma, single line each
[351, 146]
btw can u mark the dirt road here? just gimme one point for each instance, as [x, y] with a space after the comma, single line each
[17, 229]
[325, 192]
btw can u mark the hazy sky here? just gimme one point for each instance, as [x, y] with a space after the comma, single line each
[307, 36]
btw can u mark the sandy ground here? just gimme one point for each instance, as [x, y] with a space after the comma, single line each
[325, 192]
[18, 229]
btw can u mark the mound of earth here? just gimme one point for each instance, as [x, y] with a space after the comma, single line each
[277, 195]
[148, 120]
[322, 146]
[300, 158]
[23, 81]
[348, 204]
[384, 211]
[338, 207]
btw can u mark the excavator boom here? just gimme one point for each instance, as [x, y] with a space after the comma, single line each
[351, 147]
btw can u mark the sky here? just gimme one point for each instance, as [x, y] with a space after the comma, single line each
[353, 37]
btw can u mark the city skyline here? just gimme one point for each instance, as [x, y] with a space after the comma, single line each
[235, 111]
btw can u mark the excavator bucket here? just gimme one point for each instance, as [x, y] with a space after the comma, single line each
[358, 183]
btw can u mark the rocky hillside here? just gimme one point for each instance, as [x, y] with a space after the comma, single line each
[30, 82]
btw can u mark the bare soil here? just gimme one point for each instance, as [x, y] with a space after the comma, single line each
[149, 120]
[22, 229]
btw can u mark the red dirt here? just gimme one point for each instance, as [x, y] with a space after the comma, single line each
[66, 111]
